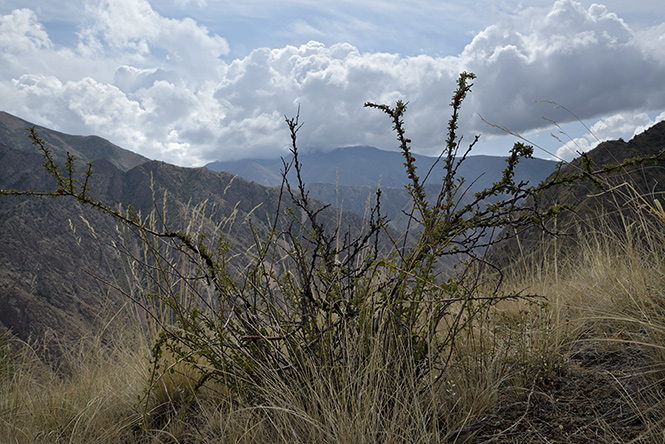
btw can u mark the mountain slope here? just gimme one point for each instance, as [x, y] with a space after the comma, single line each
[611, 206]
[53, 251]
[58, 257]
[85, 148]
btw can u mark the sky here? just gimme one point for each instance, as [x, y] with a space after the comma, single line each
[194, 81]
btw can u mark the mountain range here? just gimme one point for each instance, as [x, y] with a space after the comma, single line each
[58, 257]
[371, 167]
[348, 177]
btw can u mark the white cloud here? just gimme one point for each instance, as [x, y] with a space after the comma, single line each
[161, 87]
[100, 108]
[331, 84]
[21, 32]
[130, 79]
[588, 60]
[618, 126]
[651, 42]
[135, 29]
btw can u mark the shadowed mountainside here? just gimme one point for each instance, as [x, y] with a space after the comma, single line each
[57, 257]
[610, 203]
[84, 148]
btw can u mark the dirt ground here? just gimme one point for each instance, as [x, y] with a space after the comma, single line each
[601, 395]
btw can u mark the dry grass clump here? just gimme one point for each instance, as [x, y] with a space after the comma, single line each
[97, 391]
[87, 397]
[93, 397]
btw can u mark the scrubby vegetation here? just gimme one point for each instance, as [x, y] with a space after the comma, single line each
[329, 334]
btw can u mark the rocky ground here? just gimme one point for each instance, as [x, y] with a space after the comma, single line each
[603, 394]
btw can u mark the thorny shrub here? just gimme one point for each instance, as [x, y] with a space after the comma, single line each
[317, 302]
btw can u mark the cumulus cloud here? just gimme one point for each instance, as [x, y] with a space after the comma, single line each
[98, 107]
[133, 27]
[130, 79]
[617, 126]
[651, 42]
[331, 85]
[587, 60]
[161, 86]
[21, 32]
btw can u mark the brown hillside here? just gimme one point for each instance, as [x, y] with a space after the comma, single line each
[57, 258]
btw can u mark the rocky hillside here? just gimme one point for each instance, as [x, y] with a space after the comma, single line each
[87, 149]
[57, 258]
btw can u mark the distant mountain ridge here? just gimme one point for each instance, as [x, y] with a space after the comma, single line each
[369, 166]
[348, 177]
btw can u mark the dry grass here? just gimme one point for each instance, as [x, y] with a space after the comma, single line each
[599, 333]
[93, 398]
[87, 398]
[598, 342]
